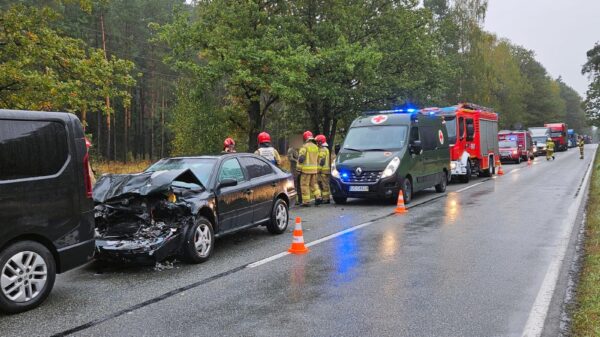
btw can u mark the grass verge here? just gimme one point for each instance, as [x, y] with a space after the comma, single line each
[586, 315]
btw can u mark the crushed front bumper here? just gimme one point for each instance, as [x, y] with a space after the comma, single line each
[140, 249]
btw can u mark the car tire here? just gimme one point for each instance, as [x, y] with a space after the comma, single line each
[199, 241]
[441, 187]
[407, 190]
[32, 285]
[280, 216]
[340, 200]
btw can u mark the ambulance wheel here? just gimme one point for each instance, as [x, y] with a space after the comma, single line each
[407, 190]
[441, 187]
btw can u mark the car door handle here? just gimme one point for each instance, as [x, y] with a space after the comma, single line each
[248, 191]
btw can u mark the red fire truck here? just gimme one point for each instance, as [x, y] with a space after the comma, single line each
[473, 138]
[515, 145]
[558, 133]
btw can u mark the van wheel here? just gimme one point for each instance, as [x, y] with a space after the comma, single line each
[27, 274]
[279, 217]
[441, 187]
[199, 241]
[407, 190]
[340, 200]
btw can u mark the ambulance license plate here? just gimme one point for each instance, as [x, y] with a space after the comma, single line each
[359, 188]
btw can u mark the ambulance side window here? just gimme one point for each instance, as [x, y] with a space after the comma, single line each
[461, 128]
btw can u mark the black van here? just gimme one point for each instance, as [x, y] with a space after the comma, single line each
[386, 152]
[46, 210]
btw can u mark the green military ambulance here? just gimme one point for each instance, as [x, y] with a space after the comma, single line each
[388, 151]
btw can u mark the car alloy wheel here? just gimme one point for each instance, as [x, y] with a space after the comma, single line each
[281, 216]
[202, 240]
[23, 276]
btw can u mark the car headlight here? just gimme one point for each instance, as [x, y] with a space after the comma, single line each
[452, 165]
[334, 172]
[391, 168]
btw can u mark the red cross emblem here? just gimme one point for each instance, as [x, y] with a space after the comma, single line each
[379, 119]
[441, 136]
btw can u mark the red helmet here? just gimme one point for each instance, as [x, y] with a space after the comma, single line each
[321, 139]
[264, 137]
[307, 135]
[229, 142]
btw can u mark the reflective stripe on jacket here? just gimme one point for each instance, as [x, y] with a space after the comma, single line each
[324, 164]
[310, 153]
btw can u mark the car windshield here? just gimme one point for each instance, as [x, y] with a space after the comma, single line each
[202, 167]
[451, 127]
[540, 139]
[376, 138]
[507, 143]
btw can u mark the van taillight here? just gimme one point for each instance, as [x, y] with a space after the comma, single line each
[86, 175]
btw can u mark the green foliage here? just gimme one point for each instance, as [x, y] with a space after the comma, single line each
[40, 69]
[592, 69]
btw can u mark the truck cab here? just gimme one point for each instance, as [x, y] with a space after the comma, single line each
[388, 152]
[558, 133]
[539, 136]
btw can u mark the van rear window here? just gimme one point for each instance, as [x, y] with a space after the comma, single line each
[31, 148]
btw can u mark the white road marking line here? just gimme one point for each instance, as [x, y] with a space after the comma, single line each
[468, 187]
[539, 311]
[310, 244]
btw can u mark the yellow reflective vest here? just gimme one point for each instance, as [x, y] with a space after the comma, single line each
[324, 164]
[308, 158]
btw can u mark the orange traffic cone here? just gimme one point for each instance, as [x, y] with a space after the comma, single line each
[400, 208]
[500, 171]
[298, 246]
[529, 163]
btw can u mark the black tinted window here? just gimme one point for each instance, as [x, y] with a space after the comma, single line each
[31, 148]
[429, 137]
[256, 167]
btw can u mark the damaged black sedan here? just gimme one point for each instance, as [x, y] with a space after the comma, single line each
[178, 206]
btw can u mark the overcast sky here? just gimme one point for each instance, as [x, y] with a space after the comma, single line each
[559, 31]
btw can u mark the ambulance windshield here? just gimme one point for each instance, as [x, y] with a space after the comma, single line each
[374, 138]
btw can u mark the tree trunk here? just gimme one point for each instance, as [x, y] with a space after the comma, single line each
[125, 135]
[254, 119]
[162, 124]
[99, 133]
[107, 99]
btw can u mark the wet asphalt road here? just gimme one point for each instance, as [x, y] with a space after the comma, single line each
[466, 263]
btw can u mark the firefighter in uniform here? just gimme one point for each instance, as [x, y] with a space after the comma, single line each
[266, 150]
[229, 145]
[549, 149]
[580, 144]
[292, 155]
[308, 168]
[324, 167]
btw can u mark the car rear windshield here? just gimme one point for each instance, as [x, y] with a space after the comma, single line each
[507, 143]
[202, 167]
[376, 138]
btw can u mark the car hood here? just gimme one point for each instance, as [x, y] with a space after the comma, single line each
[368, 160]
[110, 186]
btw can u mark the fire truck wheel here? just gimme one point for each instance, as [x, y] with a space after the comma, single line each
[519, 161]
[465, 179]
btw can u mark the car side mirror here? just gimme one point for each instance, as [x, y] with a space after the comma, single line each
[470, 132]
[416, 147]
[336, 149]
[227, 183]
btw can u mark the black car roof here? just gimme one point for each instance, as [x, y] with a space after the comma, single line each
[35, 115]
[214, 156]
